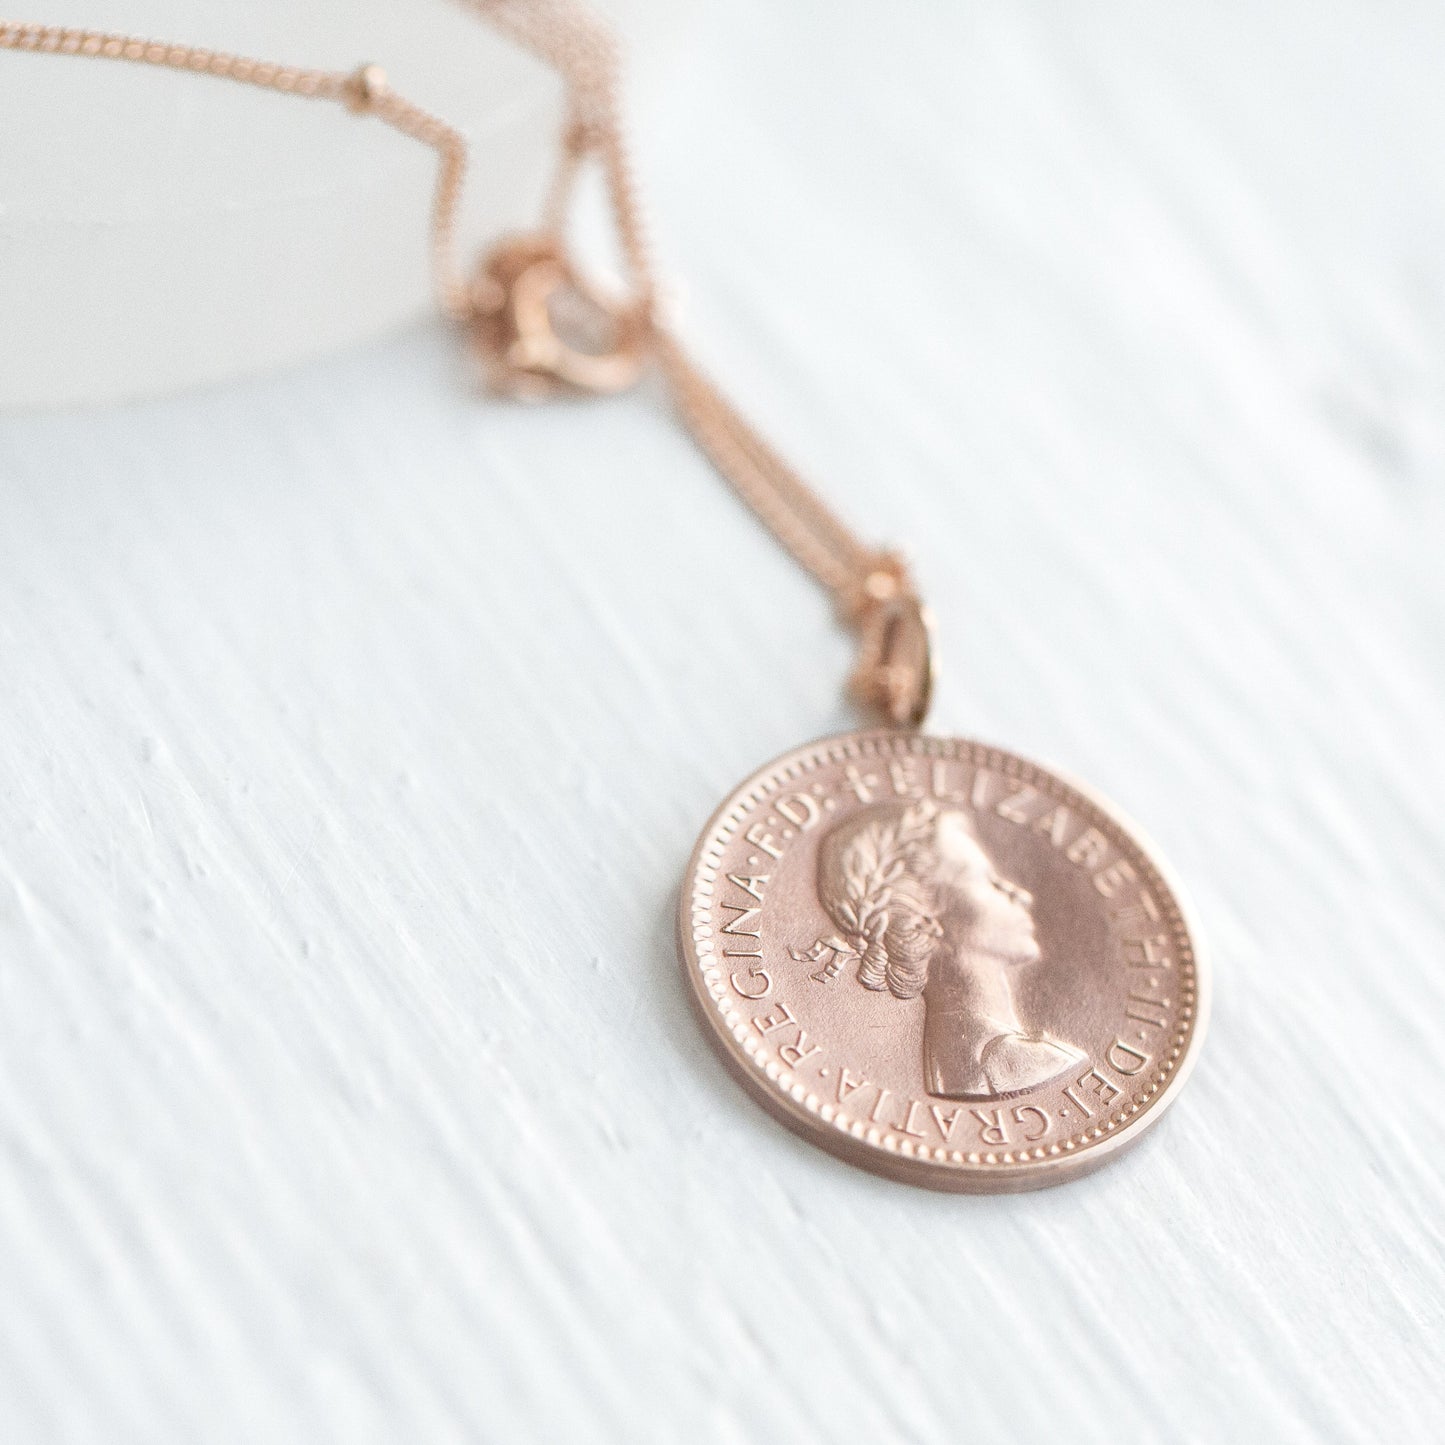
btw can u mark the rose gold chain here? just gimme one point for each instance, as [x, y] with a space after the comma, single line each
[575, 43]
[872, 588]
[363, 90]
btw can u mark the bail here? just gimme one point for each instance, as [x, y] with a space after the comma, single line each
[894, 672]
[541, 330]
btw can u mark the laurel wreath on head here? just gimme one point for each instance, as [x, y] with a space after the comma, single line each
[873, 864]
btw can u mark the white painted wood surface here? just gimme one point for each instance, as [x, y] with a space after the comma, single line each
[355, 733]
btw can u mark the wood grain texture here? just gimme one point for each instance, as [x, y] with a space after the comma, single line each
[355, 734]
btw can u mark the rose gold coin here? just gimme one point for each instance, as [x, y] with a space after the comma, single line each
[942, 962]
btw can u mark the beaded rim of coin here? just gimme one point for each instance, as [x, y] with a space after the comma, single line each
[885, 1148]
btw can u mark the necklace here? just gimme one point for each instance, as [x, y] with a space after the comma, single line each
[932, 957]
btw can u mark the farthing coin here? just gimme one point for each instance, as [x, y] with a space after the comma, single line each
[942, 962]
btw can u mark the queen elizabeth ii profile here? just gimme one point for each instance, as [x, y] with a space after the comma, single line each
[922, 910]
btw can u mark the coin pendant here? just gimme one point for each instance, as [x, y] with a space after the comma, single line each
[942, 962]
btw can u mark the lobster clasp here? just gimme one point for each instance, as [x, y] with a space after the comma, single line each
[894, 674]
[542, 330]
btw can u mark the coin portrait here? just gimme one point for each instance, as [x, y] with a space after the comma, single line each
[925, 912]
[941, 961]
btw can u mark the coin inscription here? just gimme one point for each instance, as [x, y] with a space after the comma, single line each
[941, 961]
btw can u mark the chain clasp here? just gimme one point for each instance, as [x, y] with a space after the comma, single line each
[542, 330]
